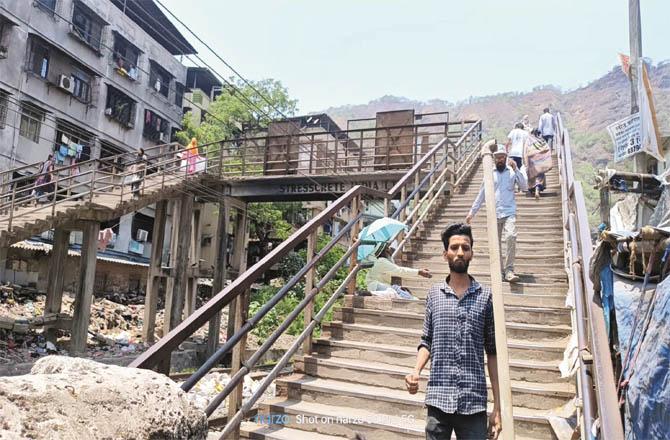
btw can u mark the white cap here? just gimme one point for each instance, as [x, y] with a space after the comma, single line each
[500, 150]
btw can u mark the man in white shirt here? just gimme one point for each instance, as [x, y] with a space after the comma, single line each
[516, 141]
[546, 127]
[505, 176]
[379, 276]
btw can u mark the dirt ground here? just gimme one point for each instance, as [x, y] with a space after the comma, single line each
[115, 329]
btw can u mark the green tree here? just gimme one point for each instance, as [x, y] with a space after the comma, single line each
[231, 111]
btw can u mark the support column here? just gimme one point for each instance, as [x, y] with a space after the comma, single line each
[174, 301]
[239, 258]
[309, 285]
[239, 312]
[56, 272]
[3, 263]
[82, 302]
[219, 274]
[194, 261]
[153, 278]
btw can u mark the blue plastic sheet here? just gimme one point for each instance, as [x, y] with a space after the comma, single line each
[647, 414]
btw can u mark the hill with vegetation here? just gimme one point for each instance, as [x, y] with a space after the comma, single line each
[587, 111]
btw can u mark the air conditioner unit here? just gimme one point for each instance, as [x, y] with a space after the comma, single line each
[66, 83]
[142, 235]
[108, 111]
[135, 247]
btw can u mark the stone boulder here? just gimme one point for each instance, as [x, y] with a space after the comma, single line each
[74, 398]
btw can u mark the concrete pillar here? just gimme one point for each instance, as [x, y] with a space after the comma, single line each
[239, 259]
[84, 296]
[220, 264]
[174, 302]
[3, 264]
[194, 260]
[153, 278]
[55, 278]
[238, 313]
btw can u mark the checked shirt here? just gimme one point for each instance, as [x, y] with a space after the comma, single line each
[457, 332]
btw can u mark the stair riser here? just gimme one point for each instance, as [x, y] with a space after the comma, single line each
[420, 288]
[411, 340]
[359, 316]
[521, 398]
[409, 360]
[372, 303]
[526, 428]
[316, 423]
[481, 265]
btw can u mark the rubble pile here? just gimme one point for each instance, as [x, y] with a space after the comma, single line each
[74, 398]
[214, 382]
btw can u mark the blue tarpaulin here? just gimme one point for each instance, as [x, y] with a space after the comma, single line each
[647, 414]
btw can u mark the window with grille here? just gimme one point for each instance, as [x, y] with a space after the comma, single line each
[46, 5]
[155, 127]
[82, 86]
[31, 121]
[126, 57]
[39, 58]
[159, 79]
[4, 104]
[87, 26]
[179, 94]
[120, 107]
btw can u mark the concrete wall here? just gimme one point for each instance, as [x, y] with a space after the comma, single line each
[59, 104]
[26, 267]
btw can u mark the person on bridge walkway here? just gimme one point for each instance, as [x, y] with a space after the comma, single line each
[516, 141]
[505, 176]
[458, 328]
[138, 168]
[379, 277]
[547, 128]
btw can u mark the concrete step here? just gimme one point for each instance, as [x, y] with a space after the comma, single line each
[531, 395]
[344, 421]
[277, 431]
[525, 258]
[378, 333]
[481, 264]
[418, 306]
[524, 250]
[483, 276]
[530, 370]
[545, 351]
[531, 423]
[397, 318]
[420, 287]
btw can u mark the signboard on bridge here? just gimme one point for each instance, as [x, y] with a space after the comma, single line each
[626, 137]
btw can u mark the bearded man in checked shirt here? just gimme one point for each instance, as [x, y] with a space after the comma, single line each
[457, 331]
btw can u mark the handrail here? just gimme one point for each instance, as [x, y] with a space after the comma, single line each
[588, 309]
[159, 351]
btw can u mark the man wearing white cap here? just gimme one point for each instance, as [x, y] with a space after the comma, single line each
[505, 176]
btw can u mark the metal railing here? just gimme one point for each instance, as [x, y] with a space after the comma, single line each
[594, 360]
[418, 190]
[114, 176]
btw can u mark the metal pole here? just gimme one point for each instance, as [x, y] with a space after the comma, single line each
[502, 355]
[635, 41]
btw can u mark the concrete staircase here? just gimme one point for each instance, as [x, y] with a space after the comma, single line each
[106, 205]
[353, 382]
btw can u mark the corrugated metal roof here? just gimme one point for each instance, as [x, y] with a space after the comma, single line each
[31, 245]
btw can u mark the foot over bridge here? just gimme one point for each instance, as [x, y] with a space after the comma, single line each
[353, 375]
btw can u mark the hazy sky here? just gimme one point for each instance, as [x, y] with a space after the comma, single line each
[330, 53]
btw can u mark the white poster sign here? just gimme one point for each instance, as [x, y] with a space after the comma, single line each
[626, 137]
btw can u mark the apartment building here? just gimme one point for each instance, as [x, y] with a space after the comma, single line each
[84, 79]
[98, 74]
